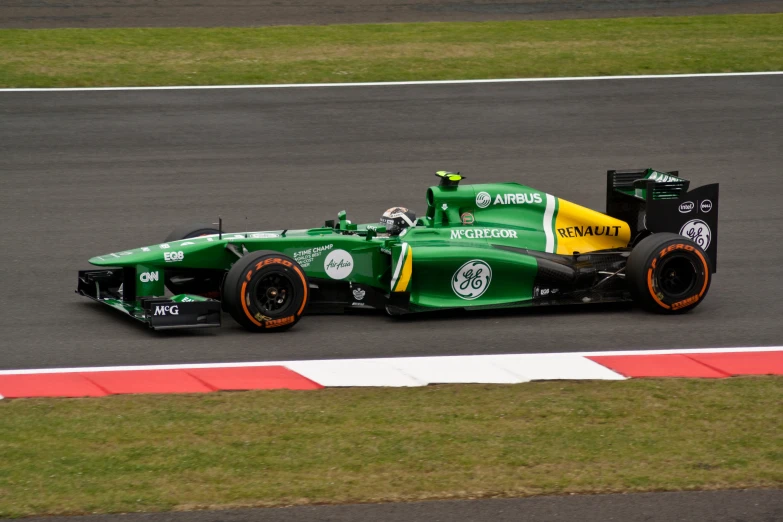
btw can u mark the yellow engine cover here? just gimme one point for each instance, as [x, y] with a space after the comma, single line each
[579, 229]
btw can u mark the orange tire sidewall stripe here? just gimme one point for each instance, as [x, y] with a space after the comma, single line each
[706, 273]
[304, 285]
[244, 306]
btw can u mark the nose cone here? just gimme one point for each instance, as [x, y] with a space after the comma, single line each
[197, 252]
[143, 255]
[100, 261]
[162, 254]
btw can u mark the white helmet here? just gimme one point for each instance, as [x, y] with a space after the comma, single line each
[397, 219]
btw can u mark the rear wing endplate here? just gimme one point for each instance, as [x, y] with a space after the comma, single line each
[664, 204]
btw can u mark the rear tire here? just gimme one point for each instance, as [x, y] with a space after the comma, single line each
[668, 273]
[266, 291]
[203, 282]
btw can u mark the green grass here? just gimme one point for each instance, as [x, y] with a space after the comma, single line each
[424, 51]
[146, 453]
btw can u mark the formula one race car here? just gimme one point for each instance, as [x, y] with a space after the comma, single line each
[478, 246]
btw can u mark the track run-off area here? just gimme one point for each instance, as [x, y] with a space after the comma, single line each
[90, 172]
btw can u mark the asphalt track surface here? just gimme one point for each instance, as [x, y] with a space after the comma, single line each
[697, 506]
[36, 14]
[86, 173]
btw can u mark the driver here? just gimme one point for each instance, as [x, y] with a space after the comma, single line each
[397, 219]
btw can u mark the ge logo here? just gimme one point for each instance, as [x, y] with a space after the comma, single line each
[471, 280]
[483, 199]
[697, 231]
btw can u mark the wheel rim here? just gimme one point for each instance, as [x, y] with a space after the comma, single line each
[273, 293]
[677, 277]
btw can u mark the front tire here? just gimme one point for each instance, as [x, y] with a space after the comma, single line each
[668, 273]
[266, 291]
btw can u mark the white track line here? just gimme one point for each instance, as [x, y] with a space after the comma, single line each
[392, 84]
[384, 359]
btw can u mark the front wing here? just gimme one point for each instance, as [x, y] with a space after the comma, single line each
[159, 313]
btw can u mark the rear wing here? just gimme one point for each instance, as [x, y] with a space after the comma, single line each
[653, 201]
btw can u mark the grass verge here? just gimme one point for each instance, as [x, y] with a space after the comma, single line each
[147, 453]
[424, 51]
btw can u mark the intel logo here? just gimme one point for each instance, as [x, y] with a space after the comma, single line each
[686, 207]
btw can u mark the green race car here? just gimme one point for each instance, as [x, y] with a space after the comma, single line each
[483, 246]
